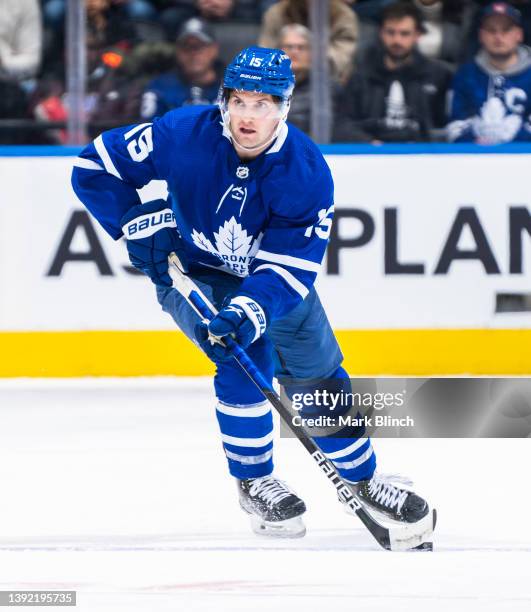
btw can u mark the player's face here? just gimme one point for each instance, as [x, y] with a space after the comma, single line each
[253, 117]
[399, 37]
[500, 36]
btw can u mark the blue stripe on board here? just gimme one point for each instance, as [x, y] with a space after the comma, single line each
[436, 148]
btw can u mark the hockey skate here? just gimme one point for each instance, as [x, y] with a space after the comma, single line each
[275, 510]
[388, 502]
[382, 495]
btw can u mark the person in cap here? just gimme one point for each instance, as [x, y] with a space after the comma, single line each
[249, 213]
[197, 75]
[491, 95]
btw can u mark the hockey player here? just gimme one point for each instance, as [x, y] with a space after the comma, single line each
[249, 210]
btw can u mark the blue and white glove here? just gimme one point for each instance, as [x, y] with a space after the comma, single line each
[151, 235]
[242, 318]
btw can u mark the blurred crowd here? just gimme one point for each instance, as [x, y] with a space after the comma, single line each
[401, 71]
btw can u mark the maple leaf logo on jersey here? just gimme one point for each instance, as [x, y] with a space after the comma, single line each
[234, 246]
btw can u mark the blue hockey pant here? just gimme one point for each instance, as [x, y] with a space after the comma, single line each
[298, 347]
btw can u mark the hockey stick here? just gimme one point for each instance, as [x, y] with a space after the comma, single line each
[407, 536]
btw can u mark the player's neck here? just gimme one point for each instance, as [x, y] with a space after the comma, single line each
[245, 154]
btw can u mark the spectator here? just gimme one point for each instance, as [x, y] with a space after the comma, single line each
[216, 10]
[115, 77]
[524, 6]
[447, 26]
[178, 11]
[54, 11]
[491, 94]
[107, 25]
[398, 95]
[343, 30]
[109, 97]
[296, 41]
[249, 11]
[174, 13]
[20, 39]
[196, 77]
[110, 39]
[117, 83]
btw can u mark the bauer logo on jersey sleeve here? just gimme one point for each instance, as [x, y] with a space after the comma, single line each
[147, 225]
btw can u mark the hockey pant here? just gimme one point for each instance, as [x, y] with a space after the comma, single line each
[299, 347]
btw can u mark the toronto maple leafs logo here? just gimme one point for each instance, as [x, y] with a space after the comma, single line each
[234, 247]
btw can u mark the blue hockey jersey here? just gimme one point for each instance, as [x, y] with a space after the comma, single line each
[267, 220]
[490, 107]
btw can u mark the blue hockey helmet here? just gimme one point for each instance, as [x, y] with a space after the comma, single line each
[262, 70]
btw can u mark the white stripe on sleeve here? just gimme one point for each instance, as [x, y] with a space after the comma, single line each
[287, 276]
[288, 260]
[105, 157]
[87, 164]
[134, 130]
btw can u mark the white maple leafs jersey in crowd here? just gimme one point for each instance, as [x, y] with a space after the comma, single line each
[267, 220]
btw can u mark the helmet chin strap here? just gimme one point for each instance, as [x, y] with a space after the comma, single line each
[225, 119]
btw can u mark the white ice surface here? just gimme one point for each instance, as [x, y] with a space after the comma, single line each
[118, 489]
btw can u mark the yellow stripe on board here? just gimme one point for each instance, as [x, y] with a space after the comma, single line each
[367, 352]
[100, 353]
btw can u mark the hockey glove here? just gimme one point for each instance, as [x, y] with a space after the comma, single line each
[243, 319]
[151, 235]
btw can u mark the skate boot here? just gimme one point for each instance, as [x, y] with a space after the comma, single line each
[407, 516]
[382, 495]
[275, 510]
